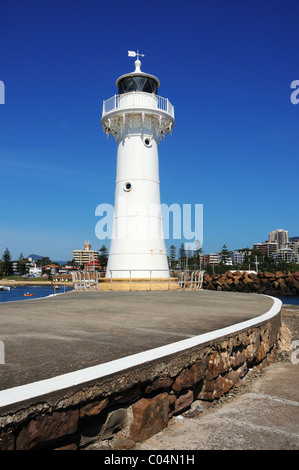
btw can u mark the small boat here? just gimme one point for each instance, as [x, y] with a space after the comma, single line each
[4, 288]
[28, 295]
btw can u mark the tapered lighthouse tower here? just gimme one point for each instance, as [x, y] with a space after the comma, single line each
[138, 118]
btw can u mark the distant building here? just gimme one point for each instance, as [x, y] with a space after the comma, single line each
[69, 268]
[280, 236]
[285, 254]
[212, 258]
[35, 271]
[52, 268]
[15, 267]
[237, 257]
[268, 248]
[227, 261]
[85, 256]
[294, 247]
[92, 265]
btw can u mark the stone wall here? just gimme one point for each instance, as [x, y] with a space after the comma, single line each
[277, 284]
[120, 410]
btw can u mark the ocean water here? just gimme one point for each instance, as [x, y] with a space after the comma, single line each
[45, 291]
[290, 299]
[38, 292]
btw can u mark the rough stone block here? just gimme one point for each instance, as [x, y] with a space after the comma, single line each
[234, 376]
[162, 383]
[183, 402]
[238, 359]
[198, 370]
[218, 364]
[150, 415]
[47, 428]
[215, 388]
[188, 378]
[182, 381]
[7, 440]
[93, 408]
[261, 353]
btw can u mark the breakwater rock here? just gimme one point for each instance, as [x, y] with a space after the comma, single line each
[276, 284]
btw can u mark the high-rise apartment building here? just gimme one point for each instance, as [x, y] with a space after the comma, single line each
[86, 255]
[280, 236]
[267, 247]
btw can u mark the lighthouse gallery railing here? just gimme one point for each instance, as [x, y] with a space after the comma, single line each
[137, 99]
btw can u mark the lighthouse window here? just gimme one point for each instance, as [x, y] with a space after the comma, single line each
[147, 141]
[128, 85]
[143, 84]
[137, 83]
[127, 187]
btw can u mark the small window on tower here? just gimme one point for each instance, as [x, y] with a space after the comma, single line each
[147, 142]
[127, 187]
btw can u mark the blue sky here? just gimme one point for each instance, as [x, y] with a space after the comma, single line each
[225, 65]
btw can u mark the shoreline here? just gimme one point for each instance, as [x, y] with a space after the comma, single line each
[10, 282]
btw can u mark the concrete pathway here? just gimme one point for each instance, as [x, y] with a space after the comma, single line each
[48, 337]
[264, 417]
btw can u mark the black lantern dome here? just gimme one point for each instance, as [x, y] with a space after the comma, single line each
[137, 81]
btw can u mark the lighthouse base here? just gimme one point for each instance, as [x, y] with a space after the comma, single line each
[134, 266]
[138, 284]
[137, 274]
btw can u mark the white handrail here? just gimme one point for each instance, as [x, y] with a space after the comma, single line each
[137, 99]
[84, 280]
[195, 279]
[130, 280]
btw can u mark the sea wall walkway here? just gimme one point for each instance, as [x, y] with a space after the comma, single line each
[90, 366]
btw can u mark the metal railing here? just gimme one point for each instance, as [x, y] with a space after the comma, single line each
[191, 279]
[85, 280]
[149, 279]
[137, 99]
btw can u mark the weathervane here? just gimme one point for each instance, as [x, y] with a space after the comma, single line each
[134, 54]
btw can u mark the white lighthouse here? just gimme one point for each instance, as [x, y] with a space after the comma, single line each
[138, 118]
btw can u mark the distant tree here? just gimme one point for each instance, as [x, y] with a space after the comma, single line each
[246, 260]
[45, 261]
[172, 256]
[103, 256]
[225, 256]
[197, 253]
[70, 263]
[209, 269]
[256, 254]
[21, 264]
[182, 255]
[7, 264]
